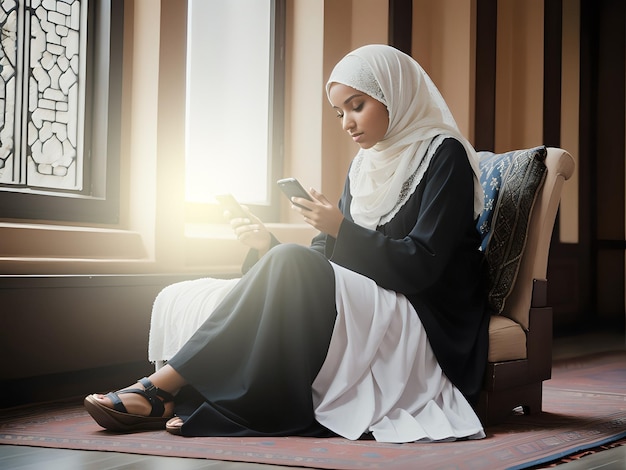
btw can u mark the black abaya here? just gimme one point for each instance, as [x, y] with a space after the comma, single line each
[252, 363]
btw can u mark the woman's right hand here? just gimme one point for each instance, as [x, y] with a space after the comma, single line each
[250, 231]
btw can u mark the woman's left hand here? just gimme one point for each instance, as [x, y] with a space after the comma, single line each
[320, 213]
[250, 231]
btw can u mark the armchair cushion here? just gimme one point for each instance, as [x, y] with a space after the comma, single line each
[507, 340]
[511, 182]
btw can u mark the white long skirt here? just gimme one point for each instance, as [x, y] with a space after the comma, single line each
[380, 374]
[179, 310]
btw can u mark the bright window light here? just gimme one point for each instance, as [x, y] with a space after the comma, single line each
[228, 100]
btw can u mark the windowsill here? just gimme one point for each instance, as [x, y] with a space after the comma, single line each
[33, 249]
[292, 233]
[215, 244]
[59, 249]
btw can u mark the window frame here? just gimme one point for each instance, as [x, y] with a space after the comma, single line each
[100, 200]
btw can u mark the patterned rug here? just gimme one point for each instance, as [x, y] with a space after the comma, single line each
[584, 408]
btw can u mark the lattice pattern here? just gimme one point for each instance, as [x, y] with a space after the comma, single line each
[43, 100]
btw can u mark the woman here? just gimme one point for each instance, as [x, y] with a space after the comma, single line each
[379, 327]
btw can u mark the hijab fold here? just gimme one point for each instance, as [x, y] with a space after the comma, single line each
[383, 177]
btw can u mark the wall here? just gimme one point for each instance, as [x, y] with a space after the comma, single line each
[570, 103]
[303, 104]
[519, 75]
[444, 44]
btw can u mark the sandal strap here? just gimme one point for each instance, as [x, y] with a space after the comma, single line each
[155, 396]
[117, 402]
[150, 388]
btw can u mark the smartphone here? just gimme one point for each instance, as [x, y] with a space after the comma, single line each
[292, 188]
[228, 202]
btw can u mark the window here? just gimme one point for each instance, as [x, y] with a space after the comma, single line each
[234, 90]
[59, 109]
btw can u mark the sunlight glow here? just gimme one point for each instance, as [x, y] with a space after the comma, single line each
[228, 96]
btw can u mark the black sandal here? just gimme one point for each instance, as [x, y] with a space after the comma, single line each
[118, 418]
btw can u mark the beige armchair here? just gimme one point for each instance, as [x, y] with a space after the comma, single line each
[520, 336]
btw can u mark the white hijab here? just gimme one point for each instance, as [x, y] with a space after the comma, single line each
[382, 178]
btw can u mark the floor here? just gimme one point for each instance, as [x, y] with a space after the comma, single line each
[32, 458]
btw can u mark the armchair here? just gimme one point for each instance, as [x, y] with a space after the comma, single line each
[520, 330]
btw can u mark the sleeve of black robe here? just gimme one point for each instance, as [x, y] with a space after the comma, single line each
[411, 252]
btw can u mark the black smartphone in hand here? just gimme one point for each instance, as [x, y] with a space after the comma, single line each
[228, 202]
[292, 188]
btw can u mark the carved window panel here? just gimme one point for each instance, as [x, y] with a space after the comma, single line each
[43, 73]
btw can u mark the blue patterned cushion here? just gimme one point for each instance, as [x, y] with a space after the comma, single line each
[492, 167]
[510, 181]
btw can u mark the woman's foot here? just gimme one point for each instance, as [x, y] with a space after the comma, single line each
[139, 407]
[174, 426]
[134, 403]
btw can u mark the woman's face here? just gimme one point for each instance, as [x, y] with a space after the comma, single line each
[365, 118]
